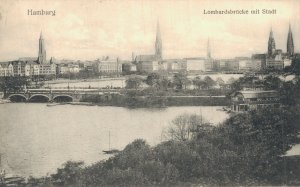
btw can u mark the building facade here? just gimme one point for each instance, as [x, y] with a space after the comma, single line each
[6, 69]
[147, 63]
[195, 64]
[247, 100]
[66, 68]
[173, 65]
[109, 65]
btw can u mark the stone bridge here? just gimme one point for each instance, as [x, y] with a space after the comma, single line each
[62, 95]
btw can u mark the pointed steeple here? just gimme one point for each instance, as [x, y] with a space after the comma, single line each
[290, 42]
[271, 44]
[41, 35]
[42, 51]
[208, 49]
[158, 43]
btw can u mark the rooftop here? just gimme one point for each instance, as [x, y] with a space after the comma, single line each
[257, 93]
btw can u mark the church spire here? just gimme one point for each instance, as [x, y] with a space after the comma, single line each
[158, 43]
[208, 49]
[41, 35]
[290, 42]
[271, 44]
[42, 51]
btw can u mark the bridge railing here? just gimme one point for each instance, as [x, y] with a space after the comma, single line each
[68, 91]
[81, 87]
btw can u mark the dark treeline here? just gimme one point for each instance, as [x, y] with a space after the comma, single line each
[13, 84]
[247, 149]
[142, 99]
[289, 91]
[177, 82]
[159, 90]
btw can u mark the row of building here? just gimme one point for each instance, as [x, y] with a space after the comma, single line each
[26, 67]
[30, 66]
[107, 65]
[273, 59]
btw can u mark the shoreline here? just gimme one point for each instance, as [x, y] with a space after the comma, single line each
[59, 81]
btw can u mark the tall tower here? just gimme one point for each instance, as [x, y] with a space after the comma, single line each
[271, 44]
[42, 51]
[208, 50]
[158, 43]
[290, 43]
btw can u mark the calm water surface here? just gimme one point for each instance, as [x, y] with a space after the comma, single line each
[36, 139]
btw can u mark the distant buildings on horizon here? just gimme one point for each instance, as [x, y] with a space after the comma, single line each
[30, 66]
[274, 59]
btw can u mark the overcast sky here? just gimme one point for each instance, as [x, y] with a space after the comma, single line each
[87, 30]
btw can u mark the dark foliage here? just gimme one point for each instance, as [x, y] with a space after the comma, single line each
[247, 149]
[13, 84]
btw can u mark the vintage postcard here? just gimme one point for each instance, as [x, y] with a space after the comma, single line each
[149, 93]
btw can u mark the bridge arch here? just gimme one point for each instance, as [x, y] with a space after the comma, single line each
[17, 98]
[63, 98]
[39, 98]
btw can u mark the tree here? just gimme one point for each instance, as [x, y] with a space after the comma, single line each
[209, 82]
[220, 82]
[184, 127]
[288, 93]
[157, 81]
[246, 81]
[153, 79]
[179, 158]
[165, 83]
[198, 82]
[261, 138]
[133, 82]
[13, 84]
[230, 80]
[272, 82]
[296, 64]
[69, 174]
[181, 81]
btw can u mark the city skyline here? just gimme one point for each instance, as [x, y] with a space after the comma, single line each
[84, 32]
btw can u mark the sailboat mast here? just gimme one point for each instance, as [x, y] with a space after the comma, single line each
[109, 140]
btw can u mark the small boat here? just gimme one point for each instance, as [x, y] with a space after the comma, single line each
[52, 104]
[3, 101]
[110, 151]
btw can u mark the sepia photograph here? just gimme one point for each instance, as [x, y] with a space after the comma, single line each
[149, 93]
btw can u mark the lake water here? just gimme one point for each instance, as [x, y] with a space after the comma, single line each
[36, 139]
